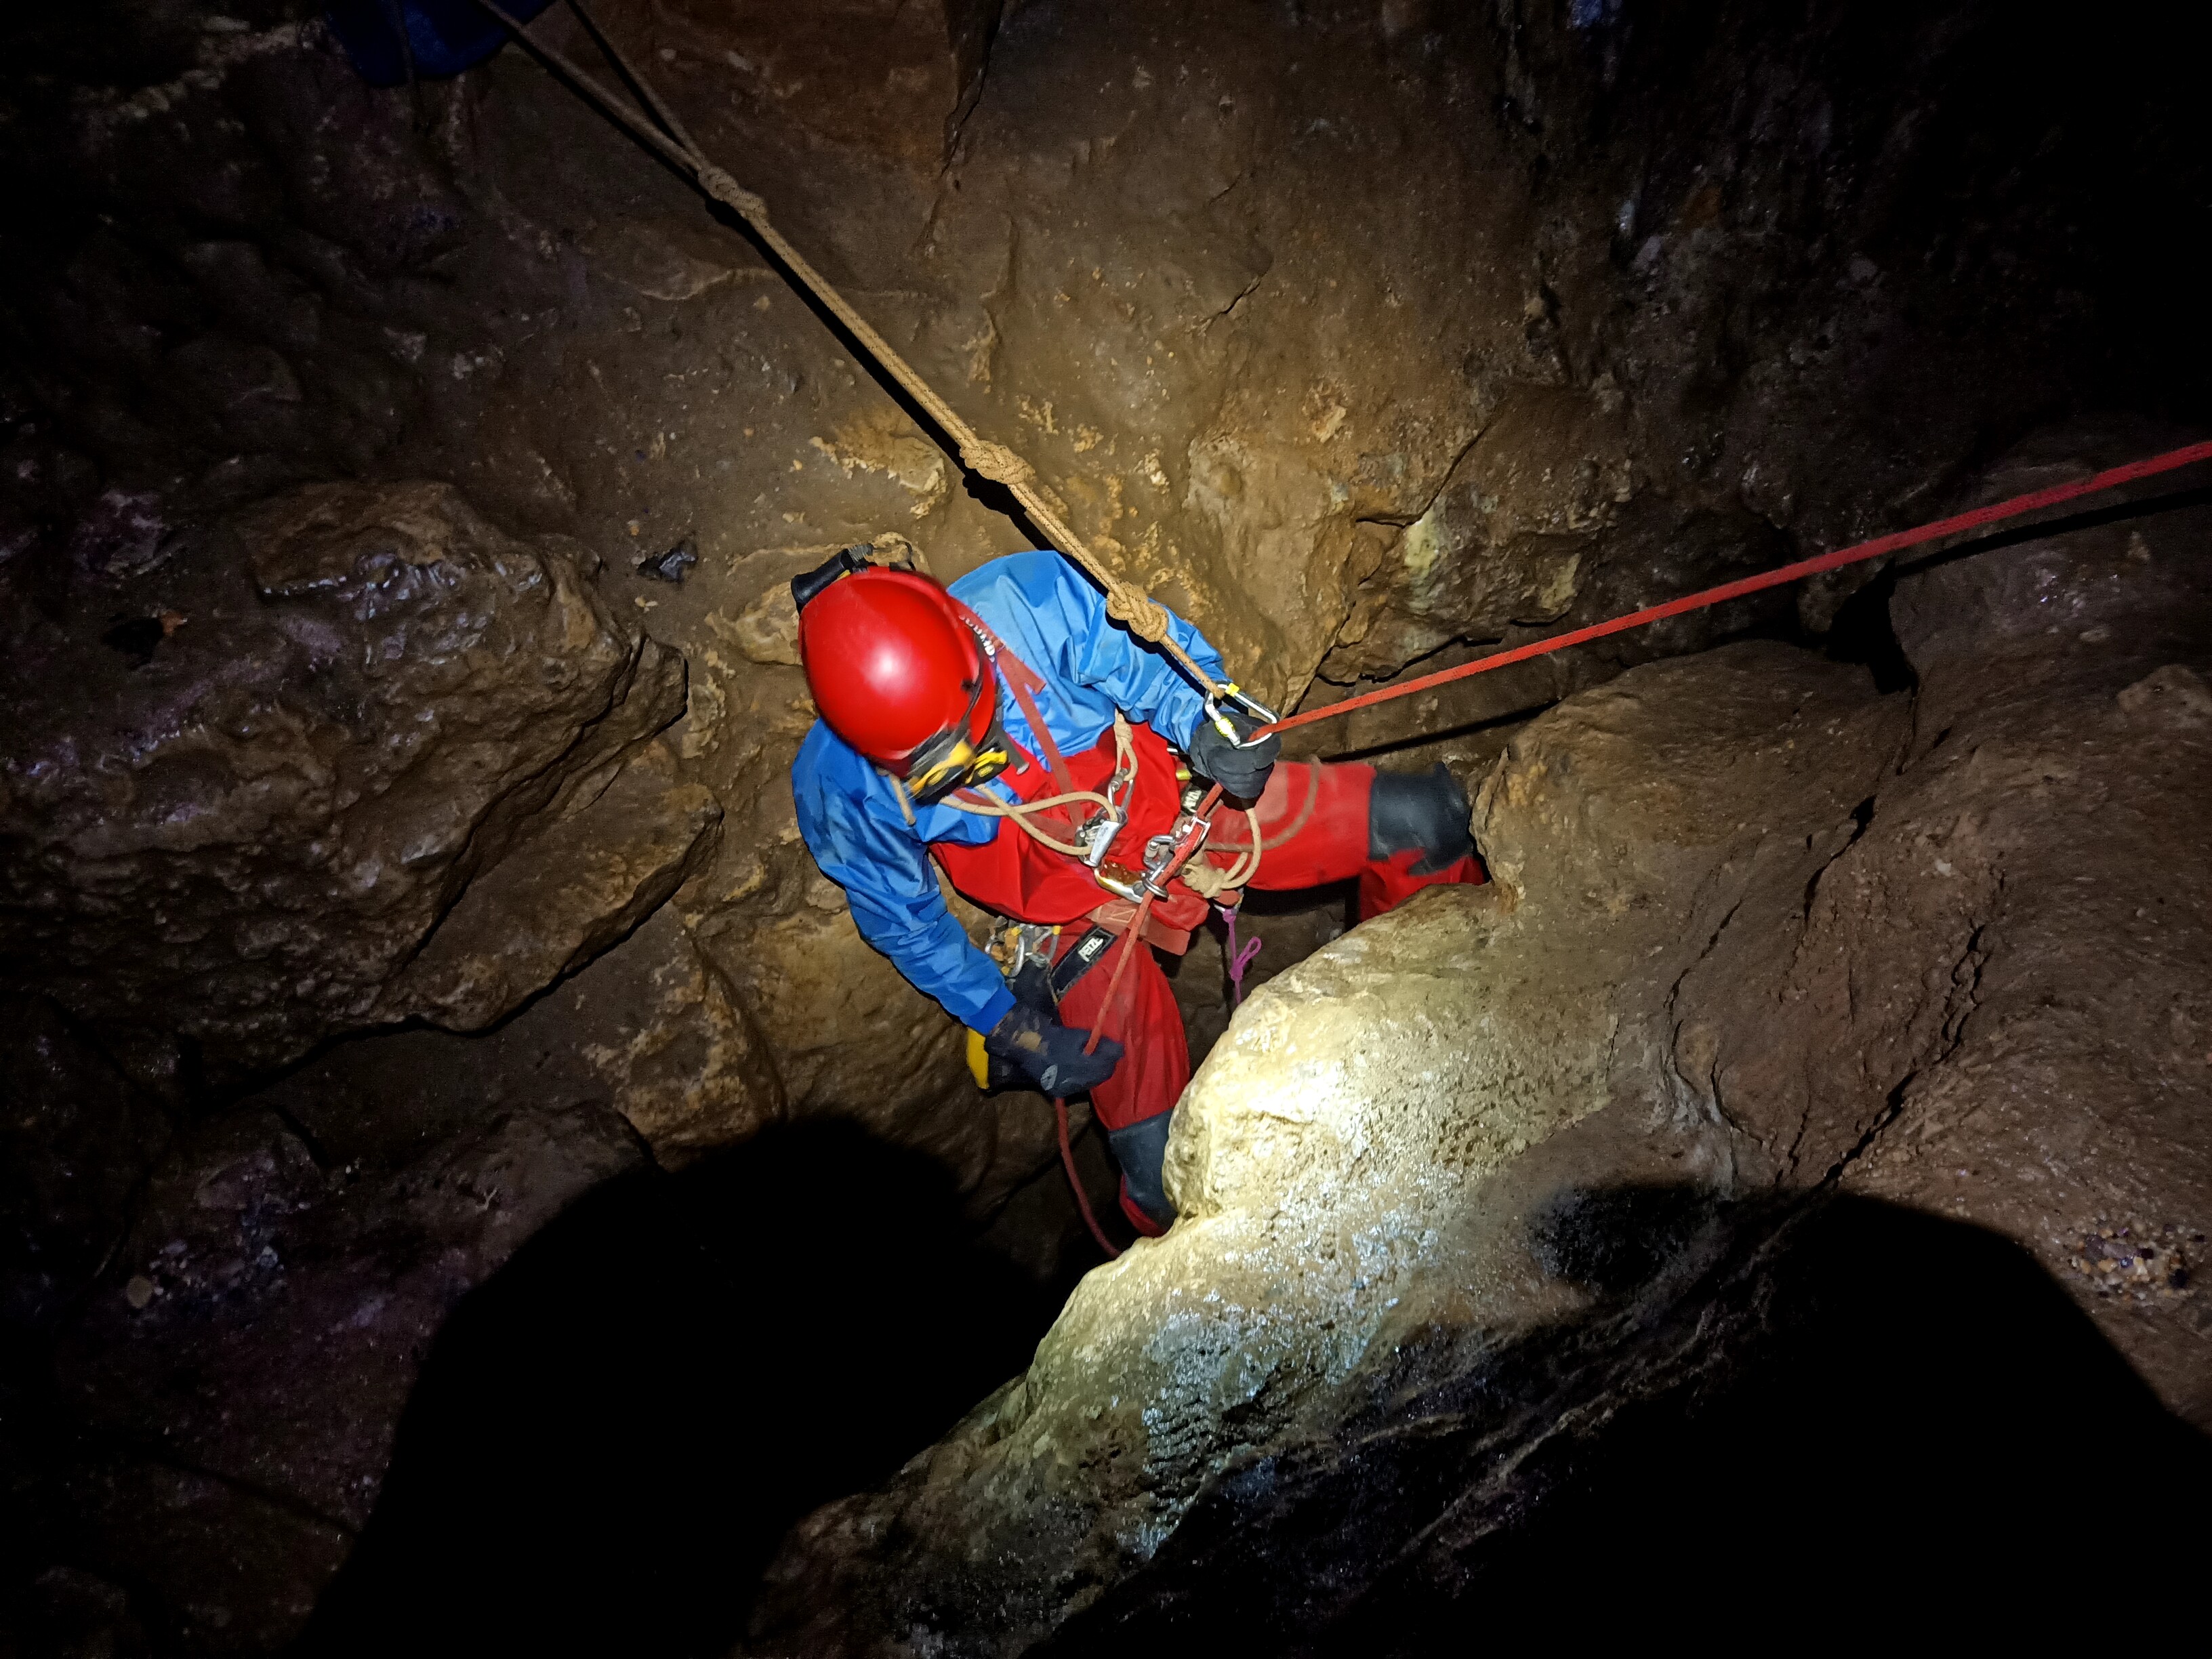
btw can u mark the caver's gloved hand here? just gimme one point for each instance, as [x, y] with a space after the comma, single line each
[1240, 769]
[1050, 1053]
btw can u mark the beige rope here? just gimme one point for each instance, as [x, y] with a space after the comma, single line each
[905, 800]
[1019, 813]
[1210, 882]
[983, 806]
[1125, 603]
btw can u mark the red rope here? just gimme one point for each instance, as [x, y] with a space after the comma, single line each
[1075, 1182]
[1979, 518]
[1132, 942]
[1997, 513]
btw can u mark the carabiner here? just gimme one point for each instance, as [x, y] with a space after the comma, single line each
[1252, 706]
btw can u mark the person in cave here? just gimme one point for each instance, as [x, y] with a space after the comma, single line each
[945, 713]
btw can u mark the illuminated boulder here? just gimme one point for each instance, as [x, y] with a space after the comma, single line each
[1356, 1161]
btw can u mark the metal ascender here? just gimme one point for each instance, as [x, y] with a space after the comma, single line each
[1095, 835]
[1163, 854]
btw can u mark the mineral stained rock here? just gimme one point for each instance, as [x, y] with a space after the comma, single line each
[378, 760]
[243, 1369]
[1756, 932]
[76, 1136]
[1357, 332]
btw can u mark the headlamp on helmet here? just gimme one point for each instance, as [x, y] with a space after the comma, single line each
[897, 673]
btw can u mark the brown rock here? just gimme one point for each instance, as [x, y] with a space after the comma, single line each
[1354, 1159]
[254, 832]
[583, 880]
[1982, 995]
[76, 1138]
[1754, 931]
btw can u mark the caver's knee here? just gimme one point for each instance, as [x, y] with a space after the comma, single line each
[1418, 812]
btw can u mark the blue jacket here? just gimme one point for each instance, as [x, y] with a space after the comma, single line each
[1054, 621]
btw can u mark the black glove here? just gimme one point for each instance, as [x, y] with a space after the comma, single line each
[1240, 769]
[1050, 1053]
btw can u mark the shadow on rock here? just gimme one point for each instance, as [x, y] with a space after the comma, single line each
[611, 1433]
[1923, 1391]
[1871, 1403]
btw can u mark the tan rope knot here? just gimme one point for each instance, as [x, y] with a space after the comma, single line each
[727, 190]
[997, 463]
[1205, 879]
[1142, 616]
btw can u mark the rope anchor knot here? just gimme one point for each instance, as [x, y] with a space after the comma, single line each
[997, 463]
[727, 190]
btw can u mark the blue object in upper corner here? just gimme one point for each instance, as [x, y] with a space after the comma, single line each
[1055, 622]
[441, 37]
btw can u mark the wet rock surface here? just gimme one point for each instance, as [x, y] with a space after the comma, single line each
[351, 703]
[1353, 1160]
[398, 494]
[1758, 932]
[79, 1137]
[221, 1408]
[1360, 334]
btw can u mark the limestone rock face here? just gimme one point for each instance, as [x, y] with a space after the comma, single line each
[1504, 541]
[1356, 334]
[1757, 934]
[75, 1137]
[316, 727]
[1993, 1004]
[1359, 334]
[893, 77]
[1349, 1160]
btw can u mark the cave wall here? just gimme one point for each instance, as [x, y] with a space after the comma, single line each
[1489, 1176]
[349, 708]
[1360, 336]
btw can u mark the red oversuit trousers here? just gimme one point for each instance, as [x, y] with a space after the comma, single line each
[1314, 830]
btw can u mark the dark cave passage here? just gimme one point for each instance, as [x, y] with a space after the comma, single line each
[611, 1434]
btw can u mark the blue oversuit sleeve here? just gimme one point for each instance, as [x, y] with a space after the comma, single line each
[1090, 648]
[852, 824]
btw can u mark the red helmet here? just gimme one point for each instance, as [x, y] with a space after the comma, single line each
[898, 675]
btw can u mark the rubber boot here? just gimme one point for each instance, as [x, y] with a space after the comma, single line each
[1141, 1148]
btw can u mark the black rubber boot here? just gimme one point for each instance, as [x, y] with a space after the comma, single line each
[1424, 810]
